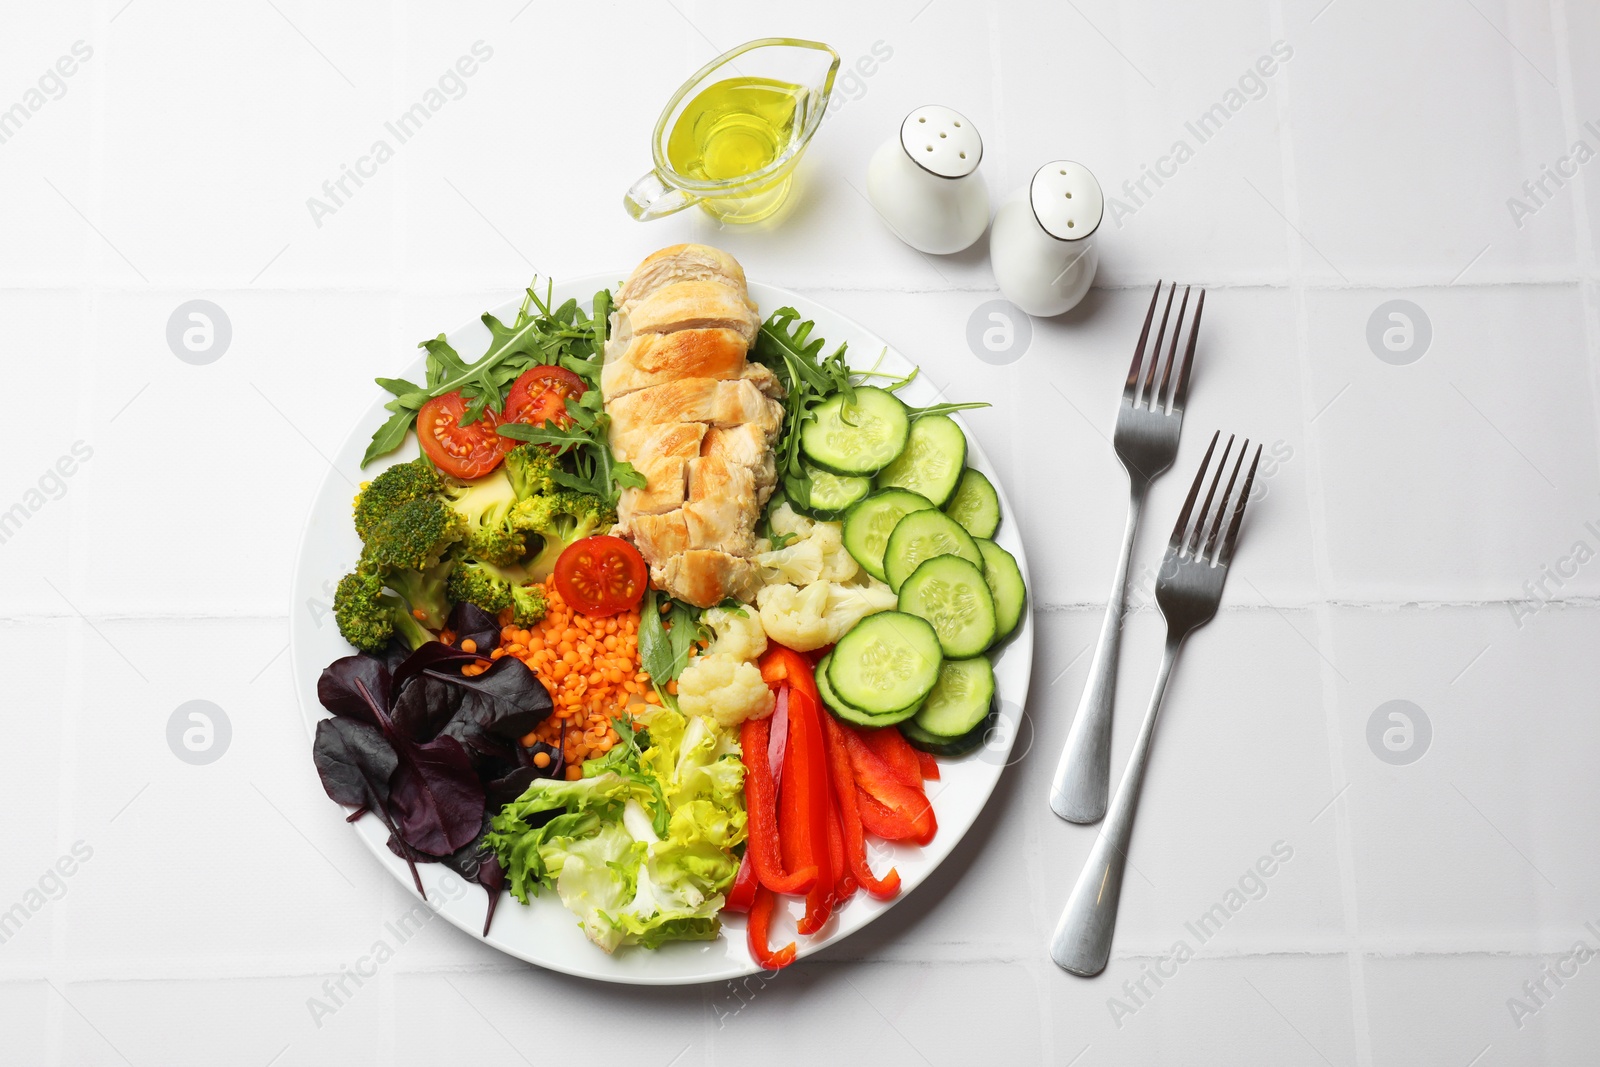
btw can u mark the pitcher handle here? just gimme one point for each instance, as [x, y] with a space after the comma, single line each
[650, 198]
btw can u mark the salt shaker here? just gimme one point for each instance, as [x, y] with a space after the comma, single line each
[925, 182]
[1042, 246]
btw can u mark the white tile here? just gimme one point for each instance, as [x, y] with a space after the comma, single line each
[1402, 165]
[1471, 845]
[1458, 476]
[1450, 1009]
[1283, 1010]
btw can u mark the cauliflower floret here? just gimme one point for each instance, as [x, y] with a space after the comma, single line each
[793, 616]
[738, 633]
[786, 520]
[724, 688]
[820, 613]
[819, 555]
[797, 563]
[849, 603]
[838, 565]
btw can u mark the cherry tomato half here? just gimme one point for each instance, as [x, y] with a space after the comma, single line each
[601, 575]
[464, 452]
[540, 395]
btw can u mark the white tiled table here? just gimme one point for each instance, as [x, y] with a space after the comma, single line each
[1412, 513]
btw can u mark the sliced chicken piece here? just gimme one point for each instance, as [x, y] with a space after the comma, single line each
[693, 306]
[655, 358]
[760, 375]
[695, 417]
[749, 447]
[661, 536]
[662, 454]
[706, 577]
[680, 263]
[695, 400]
[721, 506]
[683, 439]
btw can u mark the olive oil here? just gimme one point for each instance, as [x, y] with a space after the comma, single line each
[735, 128]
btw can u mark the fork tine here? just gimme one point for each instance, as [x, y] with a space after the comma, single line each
[1200, 520]
[1222, 505]
[1155, 354]
[1226, 555]
[1166, 375]
[1138, 353]
[1194, 491]
[1182, 396]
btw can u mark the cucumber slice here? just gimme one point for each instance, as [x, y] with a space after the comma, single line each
[859, 438]
[886, 663]
[852, 715]
[935, 453]
[960, 701]
[828, 495]
[951, 594]
[948, 747]
[922, 535]
[1000, 570]
[976, 505]
[867, 526]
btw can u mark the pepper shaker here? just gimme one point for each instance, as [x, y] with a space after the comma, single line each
[1042, 247]
[924, 183]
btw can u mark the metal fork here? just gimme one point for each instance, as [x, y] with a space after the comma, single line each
[1188, 590]
[1146, 441]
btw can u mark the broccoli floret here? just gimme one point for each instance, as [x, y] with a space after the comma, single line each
[368, 617]
[415, 535]
[528, 603]
[529, 468]
[400, 484]
[425, 590]
[560, 518]
[494, 589]
[485, 505]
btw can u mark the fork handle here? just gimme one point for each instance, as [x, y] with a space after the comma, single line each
[1082, 941]
[1083, 777]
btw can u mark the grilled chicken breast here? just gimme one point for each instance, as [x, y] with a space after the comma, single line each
[695, 417]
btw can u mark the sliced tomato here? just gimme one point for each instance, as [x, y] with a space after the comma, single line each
[601, 575]
[464, 452]
[540, 396]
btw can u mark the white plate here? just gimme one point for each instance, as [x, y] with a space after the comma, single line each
[546, 933]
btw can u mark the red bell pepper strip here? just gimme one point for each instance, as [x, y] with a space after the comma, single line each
[760, 926]
[803, 808]
[928, 765]
[803, 802]
[761, 806]
[845, 793]
[845, 884]
[909, 806]
[892, 747]
[742, 893]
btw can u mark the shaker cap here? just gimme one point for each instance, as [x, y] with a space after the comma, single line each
[941, 141]
[1066, 200]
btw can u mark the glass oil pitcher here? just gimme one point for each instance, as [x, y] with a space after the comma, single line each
[731, 135]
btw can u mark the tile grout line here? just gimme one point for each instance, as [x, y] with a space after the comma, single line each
[1317, 504]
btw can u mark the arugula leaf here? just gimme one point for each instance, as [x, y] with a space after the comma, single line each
[536, 335]
[665, 641]
[795, 357]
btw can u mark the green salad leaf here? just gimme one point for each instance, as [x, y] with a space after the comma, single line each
[640, 848]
